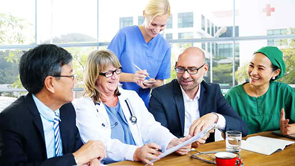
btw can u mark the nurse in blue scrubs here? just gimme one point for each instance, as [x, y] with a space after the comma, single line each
[144, 47]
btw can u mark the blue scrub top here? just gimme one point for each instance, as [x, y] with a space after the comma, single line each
[119, 127]
[155, 57]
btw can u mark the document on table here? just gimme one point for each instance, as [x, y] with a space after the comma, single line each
[191, 140]
[264, 145]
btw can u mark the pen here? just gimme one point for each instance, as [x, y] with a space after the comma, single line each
[140, 70]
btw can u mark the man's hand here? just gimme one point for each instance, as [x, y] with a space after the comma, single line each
[202, 123]
[185, 149]
[201, 140]
[89, 151]
[95, 162]
[147, 153]
[285, 127]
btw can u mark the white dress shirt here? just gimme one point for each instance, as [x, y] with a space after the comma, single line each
[192, 112]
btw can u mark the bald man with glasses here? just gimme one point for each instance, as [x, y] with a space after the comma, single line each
[188, 105]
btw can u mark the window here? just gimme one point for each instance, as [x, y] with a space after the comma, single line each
[229, 32]
[204, 46]
[226, 50]
[140, 20]
[169, 23]
[208, 27]
[186, 35]
[185, 20]
[212, 29]
[203, 22]
[169, 36]
[126, 22]
[276, 42]
[209, 47]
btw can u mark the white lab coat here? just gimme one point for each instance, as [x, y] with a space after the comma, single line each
[91, 117]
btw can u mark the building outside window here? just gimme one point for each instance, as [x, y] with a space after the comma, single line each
[126, 22]
[208, 27]
[212, 29]
[204, 46]
[185, 35]
[140, 20]
[276, 42]
[209, 47]
[203, 23]
[229, 32]
[225, 50]
[169, 23]
[185, 20]
[169, 36]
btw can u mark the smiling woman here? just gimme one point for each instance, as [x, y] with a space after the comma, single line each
[143, 46]
[263, 103]
[116, 116]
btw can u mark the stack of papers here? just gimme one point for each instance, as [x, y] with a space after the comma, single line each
[264, 145]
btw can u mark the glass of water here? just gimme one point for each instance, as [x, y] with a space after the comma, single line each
[233, 141]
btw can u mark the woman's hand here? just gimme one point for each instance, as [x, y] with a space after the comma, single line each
[139, 76]
[147, 153]
[147, 83]
[285, 127]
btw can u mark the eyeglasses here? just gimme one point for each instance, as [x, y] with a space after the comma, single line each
[111, 73]
[69, 76]
[190, 70]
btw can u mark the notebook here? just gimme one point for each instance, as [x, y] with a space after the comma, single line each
[264, 145]
[278, 132]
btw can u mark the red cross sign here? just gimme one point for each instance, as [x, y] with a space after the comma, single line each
[268, 10]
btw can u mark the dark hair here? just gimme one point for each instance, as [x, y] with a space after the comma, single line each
[40, 62]
[274, 68]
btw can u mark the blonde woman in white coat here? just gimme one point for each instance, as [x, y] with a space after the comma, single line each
[118, 117]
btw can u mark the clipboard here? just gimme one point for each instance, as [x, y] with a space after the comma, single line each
[191, 140]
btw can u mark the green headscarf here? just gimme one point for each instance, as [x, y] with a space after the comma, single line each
[275, 56]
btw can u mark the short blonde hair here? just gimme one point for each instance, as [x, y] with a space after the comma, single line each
[97, 61]
[157, 8]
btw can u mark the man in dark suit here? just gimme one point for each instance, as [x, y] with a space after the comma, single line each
[189, 105]
[40, 128]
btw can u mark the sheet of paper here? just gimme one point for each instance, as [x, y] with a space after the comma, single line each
[191, 140]
[264, 145]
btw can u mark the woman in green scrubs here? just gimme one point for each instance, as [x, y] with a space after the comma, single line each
[263, 103]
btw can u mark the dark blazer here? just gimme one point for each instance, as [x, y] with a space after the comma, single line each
[22, 136]
[167, 106]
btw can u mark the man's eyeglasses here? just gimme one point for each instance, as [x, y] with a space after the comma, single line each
[69, 76]
[111, 73]
[190, 70]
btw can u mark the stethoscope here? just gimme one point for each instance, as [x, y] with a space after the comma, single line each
[132, 118]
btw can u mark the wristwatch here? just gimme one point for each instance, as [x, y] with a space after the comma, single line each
[217, 117]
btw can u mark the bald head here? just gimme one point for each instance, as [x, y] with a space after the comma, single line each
[191, 69]
[192, 51]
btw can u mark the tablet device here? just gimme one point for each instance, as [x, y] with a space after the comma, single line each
[278, 132]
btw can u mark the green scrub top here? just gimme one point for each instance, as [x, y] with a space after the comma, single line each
[263, 113]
